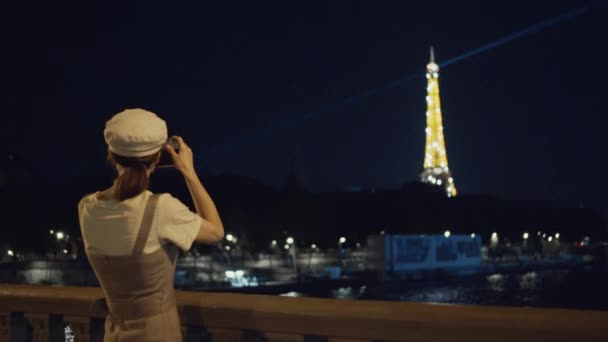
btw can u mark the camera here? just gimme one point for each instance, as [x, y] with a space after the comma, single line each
[165, 157]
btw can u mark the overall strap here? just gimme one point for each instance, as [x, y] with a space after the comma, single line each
[146, 225]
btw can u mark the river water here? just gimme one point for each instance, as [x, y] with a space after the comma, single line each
[580, 288]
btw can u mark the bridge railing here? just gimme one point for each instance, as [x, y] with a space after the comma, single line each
[41, 313]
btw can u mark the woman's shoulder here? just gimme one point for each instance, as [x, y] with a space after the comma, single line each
[166, 199]
[86, 201]
[170, 204]
[87, 198]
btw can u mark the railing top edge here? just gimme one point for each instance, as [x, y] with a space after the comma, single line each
[27, 290]
[88, 297]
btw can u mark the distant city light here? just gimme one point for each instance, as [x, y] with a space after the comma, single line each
[230, 274]
[286, 247]
[447, 233]
[65, 251]
[557, 235]
[227, 248]
[51, 232]
[342, 239]
[472, 235]
[526, 236]
[550, 238]
[358, 245]
[313, 246]
[382, 232]
[544, 235]
[274, 242]
[538, 233]
[494, 238]
[229, 237]
[289, 240]
[239, 273]
[10, 252]
[60, 235]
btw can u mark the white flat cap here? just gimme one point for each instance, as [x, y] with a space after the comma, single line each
[135, 133]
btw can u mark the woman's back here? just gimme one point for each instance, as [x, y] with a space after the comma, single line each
[139, 287]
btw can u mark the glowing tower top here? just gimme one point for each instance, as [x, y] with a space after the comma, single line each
[436, 169]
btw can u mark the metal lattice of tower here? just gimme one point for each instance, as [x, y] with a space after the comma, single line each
[436, 170]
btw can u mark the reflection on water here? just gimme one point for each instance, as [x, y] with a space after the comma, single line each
[443, 294]
[496, 282]
[584, 289]
[348, 292]
[529, 281]
[527, 289]
[343, 293]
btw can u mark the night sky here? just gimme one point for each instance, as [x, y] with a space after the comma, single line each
[248, 84]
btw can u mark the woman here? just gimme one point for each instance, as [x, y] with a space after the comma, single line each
[131, 235]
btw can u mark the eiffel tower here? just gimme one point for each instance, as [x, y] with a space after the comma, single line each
[436, 170]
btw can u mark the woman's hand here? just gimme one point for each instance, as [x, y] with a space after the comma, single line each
[211, 229]
[184, 159]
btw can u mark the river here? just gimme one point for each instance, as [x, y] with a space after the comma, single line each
[580, 288]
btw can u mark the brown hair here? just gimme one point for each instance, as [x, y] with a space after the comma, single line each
[134, 180]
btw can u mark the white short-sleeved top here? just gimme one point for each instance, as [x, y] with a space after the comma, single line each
[110, 227]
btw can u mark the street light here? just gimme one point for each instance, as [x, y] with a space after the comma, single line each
[313, 246]
[229, 237]
[526, 235]
[293, 253]
[447, 233]
[51, 232]
[557, 235]
[273, 243]
[342, 239]
[472, 235]
[494, 239]
[60, 235]
[10, 252]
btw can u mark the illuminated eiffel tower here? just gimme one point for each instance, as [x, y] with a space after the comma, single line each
[436, 169]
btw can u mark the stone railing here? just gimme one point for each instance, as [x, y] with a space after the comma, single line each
[41, 313]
